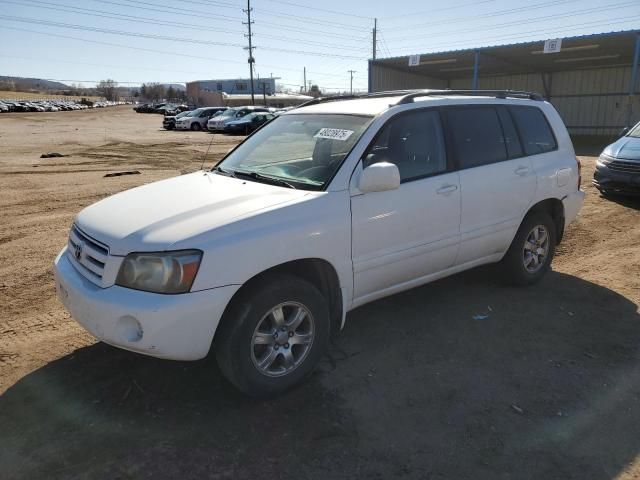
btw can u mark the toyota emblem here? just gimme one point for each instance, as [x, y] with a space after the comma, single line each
[77, 251]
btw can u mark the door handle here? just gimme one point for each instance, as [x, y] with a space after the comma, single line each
[522, 170]
[446, 189]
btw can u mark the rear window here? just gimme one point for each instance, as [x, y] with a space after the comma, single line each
[534, 129]
[477, 136]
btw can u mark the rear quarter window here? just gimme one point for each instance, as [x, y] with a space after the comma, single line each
[534, 130]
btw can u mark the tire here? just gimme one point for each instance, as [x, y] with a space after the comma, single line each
[251, 350]
[195, 126]
[525, 263]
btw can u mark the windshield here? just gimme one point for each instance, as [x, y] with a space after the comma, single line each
[228, 112]
[635, 131]
[195, 113]
[304, 150]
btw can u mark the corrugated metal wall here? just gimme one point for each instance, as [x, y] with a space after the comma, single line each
[383, 78]
[591, 102]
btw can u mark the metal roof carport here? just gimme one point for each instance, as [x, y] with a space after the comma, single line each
[592, 81]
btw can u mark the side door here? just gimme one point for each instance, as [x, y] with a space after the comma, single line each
[402, 236]
[497, 180]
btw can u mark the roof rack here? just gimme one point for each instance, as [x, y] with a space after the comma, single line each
[337, 98]
[408, 96]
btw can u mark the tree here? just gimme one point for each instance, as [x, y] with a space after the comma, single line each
[314, 91]
[108, 89]
[171, 93]
[153, 91]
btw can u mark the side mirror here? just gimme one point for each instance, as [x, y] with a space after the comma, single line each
[624, 131]
[379, 177]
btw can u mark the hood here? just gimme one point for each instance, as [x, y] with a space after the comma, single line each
[627, 148]
[155, 216]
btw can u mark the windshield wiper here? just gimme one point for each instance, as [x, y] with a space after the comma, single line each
[228, 173]
[265, 178]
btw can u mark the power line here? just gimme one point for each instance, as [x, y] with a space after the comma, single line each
[163, 37]
[115, 16]
[532, 20]
[115, 32]
[435, 10]
[147, 20]
[614, 21]
[496, 13]
[306, 19]
[318, 9]
[152, 50]
[223, 18]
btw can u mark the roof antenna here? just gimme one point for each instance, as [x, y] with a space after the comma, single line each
[204, 159]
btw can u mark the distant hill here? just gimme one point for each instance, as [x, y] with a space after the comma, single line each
[176, 86]
[31, 83]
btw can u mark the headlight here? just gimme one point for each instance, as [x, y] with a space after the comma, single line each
[604, 159]
[162, 272]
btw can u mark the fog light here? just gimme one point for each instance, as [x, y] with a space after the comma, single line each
[129, 329]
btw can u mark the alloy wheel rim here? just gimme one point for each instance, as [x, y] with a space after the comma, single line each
[282, 339]
[536, 249]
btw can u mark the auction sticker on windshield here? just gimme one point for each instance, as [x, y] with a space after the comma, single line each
[334, 134]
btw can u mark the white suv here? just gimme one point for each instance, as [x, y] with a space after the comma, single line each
[327, 207]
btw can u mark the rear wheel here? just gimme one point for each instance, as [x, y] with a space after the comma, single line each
[531, 251]
[273, 335]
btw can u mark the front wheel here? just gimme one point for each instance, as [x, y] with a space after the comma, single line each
[530, 254]
[195, 126]
[273, 335]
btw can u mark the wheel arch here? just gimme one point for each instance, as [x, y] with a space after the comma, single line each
[555, 208]
[317, 271]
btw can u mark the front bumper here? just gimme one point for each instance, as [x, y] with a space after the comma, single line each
[183, 126]
[177, 327]
[614, 181]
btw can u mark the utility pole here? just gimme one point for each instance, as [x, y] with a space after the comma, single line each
[375, 34]
[250, 48]
[304, 72]
[351, 72]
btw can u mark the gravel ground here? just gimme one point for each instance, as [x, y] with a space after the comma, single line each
[546, 387]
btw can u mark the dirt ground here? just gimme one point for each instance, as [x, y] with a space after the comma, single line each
[546, 387]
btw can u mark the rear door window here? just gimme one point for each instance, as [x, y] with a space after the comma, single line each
[534, 129]
[477, 135]
[511, 139]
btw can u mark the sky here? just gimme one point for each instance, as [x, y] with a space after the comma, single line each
[176, 41]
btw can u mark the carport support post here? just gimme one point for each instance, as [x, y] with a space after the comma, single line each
[476, 65]
[634, 79]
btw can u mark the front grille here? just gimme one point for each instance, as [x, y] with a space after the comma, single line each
[88, 255]
[627, 167]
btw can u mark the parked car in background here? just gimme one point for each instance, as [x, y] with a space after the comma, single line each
[218, 123]
[169, 121]
[327, 207]
[173, 109]
[149, 107]
[248, 123]
[618, 168]
[198, 118]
